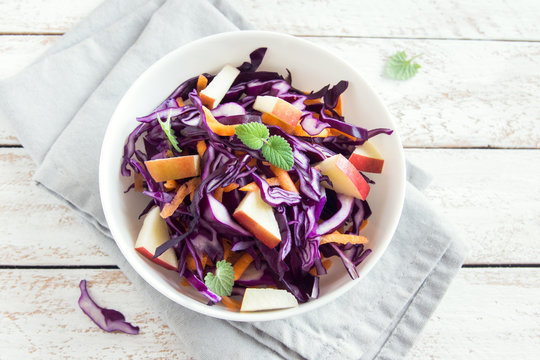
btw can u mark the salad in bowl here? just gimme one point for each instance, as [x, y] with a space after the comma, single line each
[252, 190]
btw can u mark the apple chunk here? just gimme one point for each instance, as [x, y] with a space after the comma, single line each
[279, 108]
[344, 177]
[212, 95]
[179, 167]
[258, 218]
[367, 158]
[257, 299]
[154, 233]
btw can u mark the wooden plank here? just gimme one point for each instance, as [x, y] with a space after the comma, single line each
[492, 198]
[37, 227]
[487, 313]
[458, 19]
[476, 190]
[41, 319]
[467, 94]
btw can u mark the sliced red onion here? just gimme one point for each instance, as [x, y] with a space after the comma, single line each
[107, 319]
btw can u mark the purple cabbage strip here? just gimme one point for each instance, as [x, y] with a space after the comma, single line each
[107, 319]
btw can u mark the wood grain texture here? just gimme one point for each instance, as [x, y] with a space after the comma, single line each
[456, 19]
[472, 93]
[40, 318]
[484, 193]
[486, 314]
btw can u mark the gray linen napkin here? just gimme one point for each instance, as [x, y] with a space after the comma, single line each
[74, 89]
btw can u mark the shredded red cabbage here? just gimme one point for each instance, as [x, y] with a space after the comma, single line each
[107, 319]
[199, 226]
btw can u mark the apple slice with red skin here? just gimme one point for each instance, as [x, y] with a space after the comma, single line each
[174, 168]
[344, 177]
[367, 158]
[258, 218]
[279, 108]
[153, 234]
[212, 95]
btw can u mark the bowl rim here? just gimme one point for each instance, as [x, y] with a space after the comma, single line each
[176, 296]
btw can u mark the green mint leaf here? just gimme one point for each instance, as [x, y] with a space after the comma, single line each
[399, 68]
[278, 152]
[166, 126]
[222, 282]
[252, 134]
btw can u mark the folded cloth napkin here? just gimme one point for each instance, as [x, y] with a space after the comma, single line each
[74, 88]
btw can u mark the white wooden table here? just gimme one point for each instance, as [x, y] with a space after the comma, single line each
[471, 117]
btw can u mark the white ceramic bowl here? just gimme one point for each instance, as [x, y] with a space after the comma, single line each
[312, 67]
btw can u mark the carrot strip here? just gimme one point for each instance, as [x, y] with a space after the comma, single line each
[231, 187]
[170, 185]
[326, 263]
[239, 153]
[202, 82]
[137, 182]
[217, 127]
[284, 179]
[230, 303]
[201, 147]
[271, 120]
[179, 101]
[252, 186]
[338, 106]
[218, 194]
[191, 264]
[312, 101]
[343, 239]
[363, 225]
[241, 265]
[252, 162]
[185, 282]
[226, 249]
[169, 153]
[181, 193]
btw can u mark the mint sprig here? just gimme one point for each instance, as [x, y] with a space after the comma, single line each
[399, 68]
[221, 283]
[275, 148]
[169, 132]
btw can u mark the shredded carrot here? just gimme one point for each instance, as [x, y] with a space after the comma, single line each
[239, 153]
[231, 187]
[334, 132]
[192, 264]
[202, 82]
[218, 194]
[252, 162]
[343, 239]
[252, 186]
[170, 185]
[299, 131]
[181, 193]
[363, 225]
[201, 147]
[217, 127]
[231, 303]
[297, 184]
[137, 182]
[185, 282]
[241, 265]
[274, 121]
[169, 153]
[284, 179]
[226, 249]
[312, 101]
[179, 101]
[338, 107]
[326, 263]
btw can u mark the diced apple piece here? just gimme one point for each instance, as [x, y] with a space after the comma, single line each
[344, 177]
[212, 95]
[153, 234]
[258, 218]
[279, 108]
[179, 167]
[367, 158]
[258, 299]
